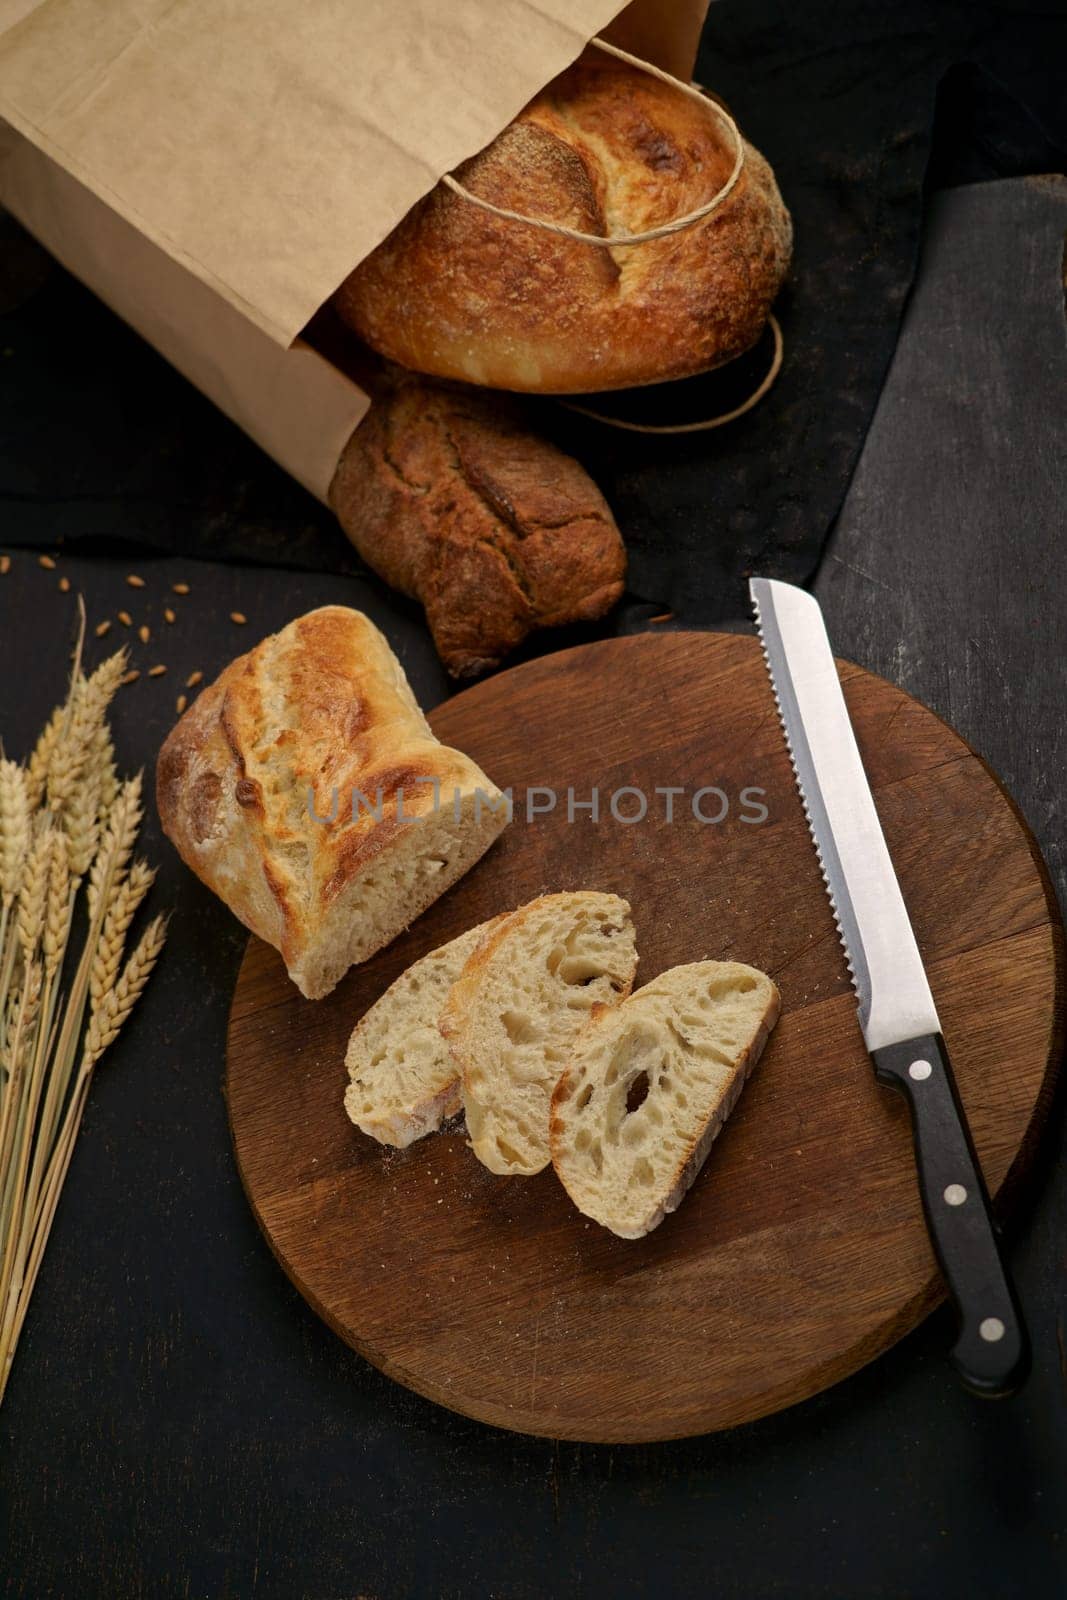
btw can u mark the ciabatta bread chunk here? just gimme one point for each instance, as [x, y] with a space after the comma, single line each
[512, 1017]
[306, 789]
[649, 1085]
[404, 1082]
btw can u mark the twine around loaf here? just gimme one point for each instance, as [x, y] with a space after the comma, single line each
[648, 234]
[706, 423]
[644, 237]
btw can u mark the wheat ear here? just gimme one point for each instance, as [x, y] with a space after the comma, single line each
[117, 1003]
[14, 829]
[125, 899]
[103, 1029]
[103, 757]
[123, 821]
[34, 894]
[57, 909]
[41, 759]
[89, 701]
[106, 873]
[14, 845]
[64, 821]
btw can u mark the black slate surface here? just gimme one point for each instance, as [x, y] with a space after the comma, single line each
[180, 1424]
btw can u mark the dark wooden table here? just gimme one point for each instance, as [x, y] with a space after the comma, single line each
[180, 1424]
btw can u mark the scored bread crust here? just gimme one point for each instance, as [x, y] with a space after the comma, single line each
[249, 779]
[660, 1015]
[390, 1096]
[454, 501]
[457, 292]
[507, 1097]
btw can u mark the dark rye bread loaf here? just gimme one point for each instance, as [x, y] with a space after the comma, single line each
[605, 149]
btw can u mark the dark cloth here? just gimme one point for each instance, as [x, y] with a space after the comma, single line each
[103, 446]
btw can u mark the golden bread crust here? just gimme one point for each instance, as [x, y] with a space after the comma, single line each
[460, 293]
[493, 529]
[255, 783]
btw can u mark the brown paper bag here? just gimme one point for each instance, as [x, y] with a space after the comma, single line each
[214, 172]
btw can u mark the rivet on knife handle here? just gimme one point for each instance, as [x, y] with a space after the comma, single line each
[992, 1352]
[896, 1009]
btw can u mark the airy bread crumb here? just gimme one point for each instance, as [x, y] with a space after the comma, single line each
[650, 1084]
[404, 1083]
[512, 1016]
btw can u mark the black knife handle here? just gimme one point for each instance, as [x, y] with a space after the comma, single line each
[992, 1351]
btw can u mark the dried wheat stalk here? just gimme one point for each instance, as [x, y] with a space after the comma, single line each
[67, 825]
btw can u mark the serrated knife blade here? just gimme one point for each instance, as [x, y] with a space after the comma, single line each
[896, 1009]
[895, 1002]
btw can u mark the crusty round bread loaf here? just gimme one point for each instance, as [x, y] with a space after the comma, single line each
[460, 293]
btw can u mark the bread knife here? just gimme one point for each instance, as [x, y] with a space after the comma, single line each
[896, 1009]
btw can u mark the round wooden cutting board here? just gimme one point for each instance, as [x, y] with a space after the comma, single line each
[800, 1252]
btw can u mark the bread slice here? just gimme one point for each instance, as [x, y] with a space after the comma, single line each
[513, 1015]
[649, 1085]
[404, 1083]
